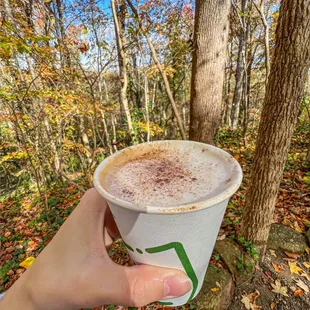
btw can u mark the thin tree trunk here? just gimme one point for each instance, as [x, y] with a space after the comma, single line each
[283, 97]
[239, 76]
[123, 63]
[261, 12]
[308, 154]
[227, 119]
[146, 105]
[208, 67]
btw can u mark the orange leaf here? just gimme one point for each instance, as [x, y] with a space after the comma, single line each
[31, 243]
[298, 293]
[272, 306]
[277, 268]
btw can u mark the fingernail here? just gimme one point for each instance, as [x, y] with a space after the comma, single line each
[175, 286]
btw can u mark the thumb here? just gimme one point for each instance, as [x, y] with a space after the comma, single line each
[143, 284]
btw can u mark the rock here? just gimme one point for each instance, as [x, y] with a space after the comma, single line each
[287, 239]
[220, 299]
[308, 236]
[240, 264]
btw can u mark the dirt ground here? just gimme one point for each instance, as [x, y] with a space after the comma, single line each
[267, 275]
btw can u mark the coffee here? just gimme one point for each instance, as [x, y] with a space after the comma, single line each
[166, 177]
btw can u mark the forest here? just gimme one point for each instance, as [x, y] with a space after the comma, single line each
[80, 80]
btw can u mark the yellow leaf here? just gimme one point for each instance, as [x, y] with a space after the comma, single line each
[27, 262]
[237, 156]
[308, 250]
[306, 264]
[294, 268]
[215, 289]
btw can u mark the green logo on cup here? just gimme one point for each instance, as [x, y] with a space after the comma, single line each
[181, 253]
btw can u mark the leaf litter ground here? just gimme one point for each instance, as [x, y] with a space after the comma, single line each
[24, 231]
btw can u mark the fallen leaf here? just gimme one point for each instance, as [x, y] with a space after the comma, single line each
[272, 306]
[277, 268]
[277, 288]
[31, 243]
[297, 227]
[292, 255]
[298, 293]
[10, 249]
[273, 253]
[27, 262]
[294, 268]
[302, 285]
[306, 275]
[246, 301]
[289, 259]
[218, 284]
[249, 301]
[215, 289]
[308, 250]
[221, 237]
[306, 264]
[7, 234]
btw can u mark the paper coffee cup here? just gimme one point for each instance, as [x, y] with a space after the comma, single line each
[180, 236]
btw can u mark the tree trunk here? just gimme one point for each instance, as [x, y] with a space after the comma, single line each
[261, 12]
[228, 75]
[210, 39]
[146, 104]
[308, 154]
[123, 63]
[281, 105]
[239, 76]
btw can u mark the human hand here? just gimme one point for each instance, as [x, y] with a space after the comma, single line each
[74, 271]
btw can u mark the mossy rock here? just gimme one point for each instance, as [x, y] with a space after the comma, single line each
[220, 297]
[286, 239]
[240, 264]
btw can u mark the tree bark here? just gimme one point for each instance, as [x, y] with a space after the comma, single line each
[283, 96]
[209, 55]
[261, 12]
[146, 104]
[123, 63]
[240, 70]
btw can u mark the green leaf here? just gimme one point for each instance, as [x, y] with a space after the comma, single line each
[85, 31]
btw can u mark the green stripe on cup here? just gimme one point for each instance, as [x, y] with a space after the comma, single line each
[168, 303]
[128, 247]
[179, 249]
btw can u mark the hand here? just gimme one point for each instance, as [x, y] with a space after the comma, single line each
[74, 271]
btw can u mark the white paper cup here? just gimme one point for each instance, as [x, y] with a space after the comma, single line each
[184, 235]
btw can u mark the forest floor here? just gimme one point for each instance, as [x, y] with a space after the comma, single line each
[24, 230]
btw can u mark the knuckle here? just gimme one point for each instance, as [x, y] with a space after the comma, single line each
[137, 292]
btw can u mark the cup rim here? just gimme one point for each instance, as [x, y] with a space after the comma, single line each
[235, 182]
